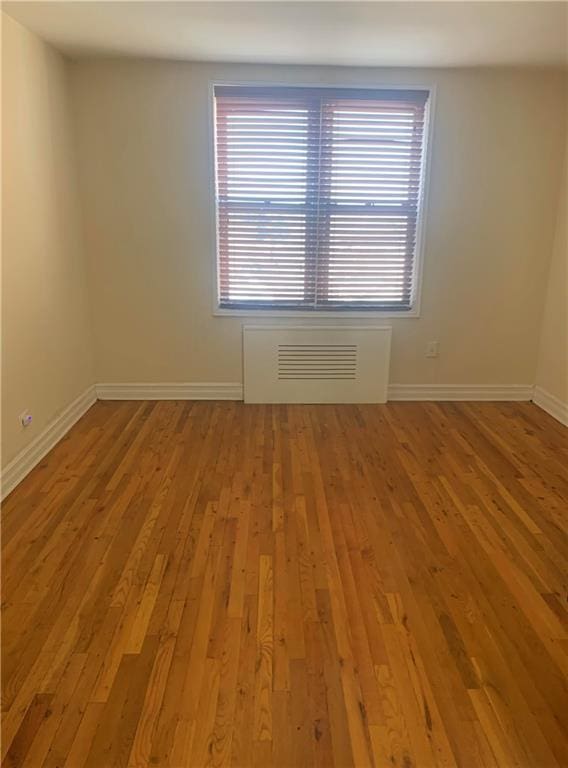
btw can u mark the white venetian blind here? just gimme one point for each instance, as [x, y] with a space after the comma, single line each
[318, 196]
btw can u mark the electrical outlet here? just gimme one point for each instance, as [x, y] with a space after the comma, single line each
[432, 349]
[25, 419]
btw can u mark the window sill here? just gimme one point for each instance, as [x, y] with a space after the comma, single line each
[360, 314]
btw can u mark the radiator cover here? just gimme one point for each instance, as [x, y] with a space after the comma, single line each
[316, 364]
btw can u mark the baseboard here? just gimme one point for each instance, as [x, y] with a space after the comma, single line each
[440, 392]
[234, 391]
[179, 391]
[551, 404]
[32, 454]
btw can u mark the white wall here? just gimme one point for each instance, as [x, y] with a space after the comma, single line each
[144, 140]
[552, 371]
[46, 325]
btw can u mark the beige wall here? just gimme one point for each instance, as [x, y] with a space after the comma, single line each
[552, 371]
[144, 141]
[46, 333]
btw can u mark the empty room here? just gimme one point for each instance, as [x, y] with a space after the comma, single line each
[284, 461]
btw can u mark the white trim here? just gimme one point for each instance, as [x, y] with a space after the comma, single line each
[309, 328]
[319, 314]
[234, 390]
[170, 391]
[551, 404]
[420, 247]
[441, 392]
[32, 454]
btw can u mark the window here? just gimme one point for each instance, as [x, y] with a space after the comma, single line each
[318, 197]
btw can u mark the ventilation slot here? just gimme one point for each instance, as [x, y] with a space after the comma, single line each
[335, 362]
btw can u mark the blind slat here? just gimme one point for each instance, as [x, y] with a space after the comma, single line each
[318, 195]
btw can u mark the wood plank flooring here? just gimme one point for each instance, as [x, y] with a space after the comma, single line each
[216, 584]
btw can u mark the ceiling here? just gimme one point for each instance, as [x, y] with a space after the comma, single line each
[351, 33]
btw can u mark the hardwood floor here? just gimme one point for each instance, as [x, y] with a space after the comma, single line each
[214, 584]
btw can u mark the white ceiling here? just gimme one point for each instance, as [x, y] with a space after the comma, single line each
[352, 33]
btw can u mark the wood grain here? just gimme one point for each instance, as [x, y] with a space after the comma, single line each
[217, 584]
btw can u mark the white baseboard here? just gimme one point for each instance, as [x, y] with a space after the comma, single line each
[179, 391]
[33, 453]
[234, 391]
[440, 392]
[551, 404]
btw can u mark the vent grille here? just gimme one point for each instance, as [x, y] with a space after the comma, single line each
[336, 362]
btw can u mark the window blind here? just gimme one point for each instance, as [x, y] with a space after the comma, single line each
[318, 194]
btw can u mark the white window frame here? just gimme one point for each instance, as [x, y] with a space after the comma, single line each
[414, 310]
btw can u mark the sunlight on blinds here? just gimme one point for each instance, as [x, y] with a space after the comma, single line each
[318, 196]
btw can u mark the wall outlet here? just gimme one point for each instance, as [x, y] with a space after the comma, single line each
[432, 349]
[25, 419]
